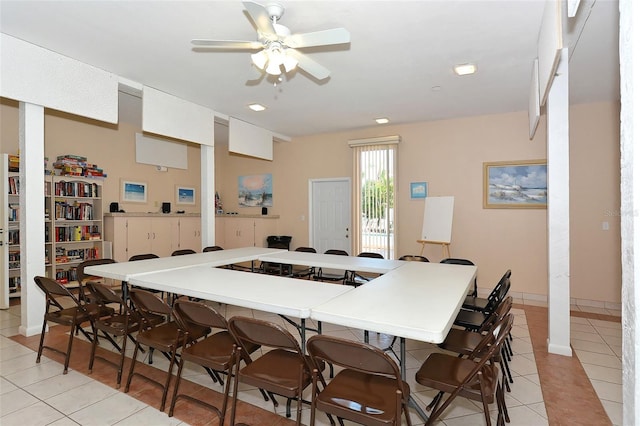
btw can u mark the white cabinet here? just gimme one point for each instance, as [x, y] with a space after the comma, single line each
[242, 231]
[160, 234]
[190, 233]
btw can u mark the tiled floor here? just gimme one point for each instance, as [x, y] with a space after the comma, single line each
[38, 394]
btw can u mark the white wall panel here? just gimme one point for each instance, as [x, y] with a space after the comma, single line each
[248, 139]
[38, 76]
[167, 115]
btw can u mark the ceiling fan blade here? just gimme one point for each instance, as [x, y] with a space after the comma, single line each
[309, 65]
[319, 38]
[260, 17]
[227, 44]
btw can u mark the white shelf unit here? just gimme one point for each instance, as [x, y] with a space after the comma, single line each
[77, 230]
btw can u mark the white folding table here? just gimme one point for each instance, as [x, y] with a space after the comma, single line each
[126, 270]
[320, 260]
[418, 301]
[278, 295]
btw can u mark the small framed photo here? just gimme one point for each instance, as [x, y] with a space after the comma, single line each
[133, 192]
[185, 195]
[419, 189]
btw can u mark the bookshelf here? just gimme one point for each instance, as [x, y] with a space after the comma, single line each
[76, 229]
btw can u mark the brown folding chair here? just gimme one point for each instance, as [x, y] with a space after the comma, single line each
[413, 258]
[474, 376]
[282, 370]
[368, 390]
[357, 279]
[214, 353]
[303, 271]
[212, 248]
[55, 312]
[457, 261]
[122, 323]
[84, 277]
[166, 337]
[329, 277]
[182, 252]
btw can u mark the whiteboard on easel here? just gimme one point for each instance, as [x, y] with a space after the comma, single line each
[438, 219]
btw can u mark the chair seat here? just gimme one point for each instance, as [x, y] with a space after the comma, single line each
[213, 352]
[369, 395]
[447, 373]
[67, 316]
[471, 320]
[277, 368]
[475, 303]
[461, 341]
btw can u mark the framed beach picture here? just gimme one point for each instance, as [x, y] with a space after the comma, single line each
[255, 191]
[419, 190]
[133, 192]
[515, 185]
[185, 195]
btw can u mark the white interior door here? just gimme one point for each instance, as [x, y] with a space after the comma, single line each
[330, 214]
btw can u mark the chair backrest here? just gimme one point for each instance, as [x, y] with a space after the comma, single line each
[352, 355]
[54, 290]
[499, 292]
[82, 277]
[498, 314]
[103, 294]
[337, 252]
[306, 249]
[183, 252]
[149, 305]
[249, 331]
[212, 248]
[371, 255]
[457, 261]
[492, 340]
[413, 258]
[188, 314]
[143, 256]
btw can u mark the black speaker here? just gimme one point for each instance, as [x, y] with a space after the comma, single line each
[114, 207]
[264, 210]
[166, 207]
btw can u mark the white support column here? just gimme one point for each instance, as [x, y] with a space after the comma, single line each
[558, 209]
[207, 199]
[630, 206]
[31, 216]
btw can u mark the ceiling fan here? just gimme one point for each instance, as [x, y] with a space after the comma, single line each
[276, 47]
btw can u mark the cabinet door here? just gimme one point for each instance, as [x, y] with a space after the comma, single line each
[164, 235]
[190, 236]
[116, 232]
[239, 232]
[139, 236]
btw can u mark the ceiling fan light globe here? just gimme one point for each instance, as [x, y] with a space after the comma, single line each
[289, 63]
[274, 68]
[260, 59]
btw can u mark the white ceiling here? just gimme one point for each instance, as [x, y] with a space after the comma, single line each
[399, 51]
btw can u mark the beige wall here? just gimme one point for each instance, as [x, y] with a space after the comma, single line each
[447, 154]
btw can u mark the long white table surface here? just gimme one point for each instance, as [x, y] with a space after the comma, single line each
[417, 301]
[351, 263]
[126, 270]
[279, 295]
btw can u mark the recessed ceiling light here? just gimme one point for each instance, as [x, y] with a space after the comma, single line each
[382, 120]
[257, 107]
[465, 69]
